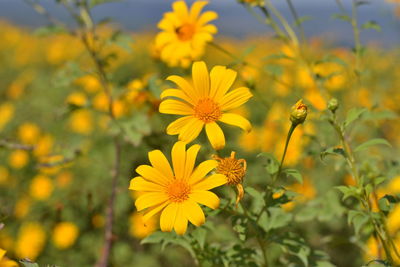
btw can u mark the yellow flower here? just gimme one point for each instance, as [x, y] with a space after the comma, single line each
[176, 193]
[65, 234]
[4, 175]
[77, 99]
[234, 170]
[4, 262]
[64, 179]
[140, 229]
[41, 187]
[22, 207]
[43, 146]
[31, 240]
[204, 103]
[28, 133]
[6, 113]
[81, 122]
[18, 159]
[184, 33]
[89, 83]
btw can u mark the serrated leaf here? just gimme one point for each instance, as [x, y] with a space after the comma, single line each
[258, 199]
[276, 218]
[295, 174]
[358, 219]
[372, 142]
[338, 151]
[271, 163]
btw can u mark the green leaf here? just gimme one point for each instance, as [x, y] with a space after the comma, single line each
[155, 238]
[49, 30]
[353, 115]
[277, 56]
[200, 235]
[337, 151]
[271, 163]
[371, 25]
[258, 199]
[358, 219]
[93, 3]
[372, 142]
[27, 263]
[123, 40]
[295, 174]
[341, 17]
[348, 191]
[302, 19]
[276, 218]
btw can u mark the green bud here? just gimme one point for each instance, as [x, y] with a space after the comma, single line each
[299, 113]
[333, 104]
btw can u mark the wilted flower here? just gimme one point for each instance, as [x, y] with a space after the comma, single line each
[234, 170]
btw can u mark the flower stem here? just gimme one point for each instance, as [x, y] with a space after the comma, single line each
[289, 135]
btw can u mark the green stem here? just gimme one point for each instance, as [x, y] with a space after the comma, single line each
[273, 24]
[297, 20]
[284, 23]
[356, 32]
[289, 135]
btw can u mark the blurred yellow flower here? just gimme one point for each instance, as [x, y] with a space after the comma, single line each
[30, 241]
[64, 179]
[41, 187]
[89, 83]
[18, 159]
[176, 193]
[184, 33]
[4, 175]
[140, 229]
[6, 113]
[28, 133]
[43, 146]
[100, 102]
[22, 207]
[64, 235]
[81, 122]
[203, 103]
[4, 262]
[77, 98]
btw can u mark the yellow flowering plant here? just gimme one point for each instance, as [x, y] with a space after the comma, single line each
[104, 161]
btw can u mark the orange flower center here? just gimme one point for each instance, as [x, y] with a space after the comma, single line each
[185, 32]
[233, 169]
[207, 110]
[178, 190]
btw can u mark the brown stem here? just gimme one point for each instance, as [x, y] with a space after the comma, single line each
[108, 235]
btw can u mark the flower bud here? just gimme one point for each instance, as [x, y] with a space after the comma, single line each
[299, 113]
[333, 104]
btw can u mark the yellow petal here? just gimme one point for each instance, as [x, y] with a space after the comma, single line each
[178, 155]
[168, 216]
[184, 85]
[201, 78]
[140, 184]
[150, 199]
[206, 198]
[236, 120]
[210, 182]
[207, 17]
[235, 98]
[193, 212]
[160, 162]
[202, 170]
[196, 9]
[180, 9]
[209, 29]
[177, 93]
[191, 155]
[150, 212]
[215, 135]
[171, 106]
[151, 174]
[176, 126]
[192, 129]
[221, 80]
[181, 221]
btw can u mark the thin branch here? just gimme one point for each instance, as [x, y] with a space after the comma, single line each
[15, 146]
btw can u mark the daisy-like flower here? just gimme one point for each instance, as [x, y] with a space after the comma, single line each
[4, 262]
[184, 33]
[203, 103]
[176, 192]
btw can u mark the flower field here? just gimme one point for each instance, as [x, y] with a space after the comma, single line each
[185, 147]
